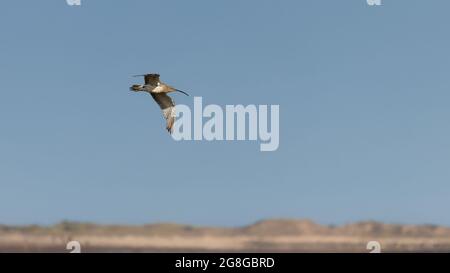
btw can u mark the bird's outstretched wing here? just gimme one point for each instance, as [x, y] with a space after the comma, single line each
[167, 106]
[150, 79]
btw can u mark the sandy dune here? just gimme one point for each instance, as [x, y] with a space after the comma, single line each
[263, 236]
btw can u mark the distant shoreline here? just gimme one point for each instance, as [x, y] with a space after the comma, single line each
[282, 235]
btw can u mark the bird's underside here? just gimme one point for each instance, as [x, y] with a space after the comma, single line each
[167, 106]
[158, 91]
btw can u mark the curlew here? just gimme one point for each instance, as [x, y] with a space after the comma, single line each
[158, 90]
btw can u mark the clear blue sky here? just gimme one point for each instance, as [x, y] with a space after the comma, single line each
[363, 91]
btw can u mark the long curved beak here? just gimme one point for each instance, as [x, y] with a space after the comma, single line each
[182, 92]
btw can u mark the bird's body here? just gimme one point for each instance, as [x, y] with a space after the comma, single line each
[158, 90]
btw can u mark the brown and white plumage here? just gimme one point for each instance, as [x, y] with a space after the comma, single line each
[151, 79]
[167, 106]
[158, 90]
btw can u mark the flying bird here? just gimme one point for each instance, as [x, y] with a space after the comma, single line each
[158, 90]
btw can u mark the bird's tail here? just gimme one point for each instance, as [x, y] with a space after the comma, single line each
[136, 87]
